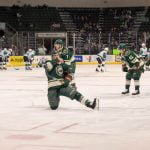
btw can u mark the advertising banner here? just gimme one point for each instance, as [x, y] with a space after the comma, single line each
[78, 58]
[16, 61]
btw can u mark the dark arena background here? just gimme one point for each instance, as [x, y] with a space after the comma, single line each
[87, 25]
[120, 122]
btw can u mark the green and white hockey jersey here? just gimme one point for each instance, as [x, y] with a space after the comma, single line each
[132, 60]
[55, 74]
[67, 55]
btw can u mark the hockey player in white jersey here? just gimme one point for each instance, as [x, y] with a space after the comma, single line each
[101, 58]
[41, 62]
[1, 59]
[28, 59]
[145, 55]
[4, 55]
[147, 64]
[143, 51]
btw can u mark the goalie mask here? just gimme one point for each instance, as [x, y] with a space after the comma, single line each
[123, 46]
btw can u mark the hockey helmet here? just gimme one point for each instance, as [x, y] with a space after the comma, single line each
[60, 42]
[123, 46]
[5, 49]
[30, 49]
[10, 49]
[143, 45]
[106, 49]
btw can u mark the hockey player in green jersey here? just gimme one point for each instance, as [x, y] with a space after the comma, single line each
[67, 56]
[134, 66]
[58, 84]
[147, 64]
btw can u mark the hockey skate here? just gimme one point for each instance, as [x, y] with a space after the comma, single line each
[136, 92]
[26, 68]
[93, 104]
[147, 68]
[125, 92]
[4, 68]
[102, 69]
[97, 70]
[30, 68]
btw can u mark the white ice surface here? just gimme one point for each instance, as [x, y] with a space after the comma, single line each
[27, 123]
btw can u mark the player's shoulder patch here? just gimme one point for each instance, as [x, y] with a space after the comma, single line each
[65, 51]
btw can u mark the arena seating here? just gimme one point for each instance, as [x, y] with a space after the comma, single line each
[93, 26]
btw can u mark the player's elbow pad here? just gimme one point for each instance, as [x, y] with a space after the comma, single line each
[48, 66]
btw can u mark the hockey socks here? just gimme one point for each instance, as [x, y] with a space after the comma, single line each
[137, 87]
[127, 87]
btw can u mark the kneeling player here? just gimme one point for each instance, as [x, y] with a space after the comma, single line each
[58, 84]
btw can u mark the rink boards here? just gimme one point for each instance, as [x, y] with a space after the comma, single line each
[80, 59]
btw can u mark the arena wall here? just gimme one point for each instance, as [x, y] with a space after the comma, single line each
[76, 3]
[16, 61]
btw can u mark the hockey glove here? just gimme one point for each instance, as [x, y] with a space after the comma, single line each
[67, 80]
[124, 68]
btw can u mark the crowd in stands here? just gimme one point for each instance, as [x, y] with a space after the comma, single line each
[87, 22]
[27, 18]
[95, 27]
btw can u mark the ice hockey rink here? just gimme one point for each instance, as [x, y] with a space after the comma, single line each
[27, 123]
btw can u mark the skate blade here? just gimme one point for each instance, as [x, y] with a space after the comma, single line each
[136, 95]
[97, 104]
[125, 94]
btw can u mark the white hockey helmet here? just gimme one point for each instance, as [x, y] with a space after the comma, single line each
[106, 49]
[5, 49]
[10, 49]
[30, 50]
[143, 45]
